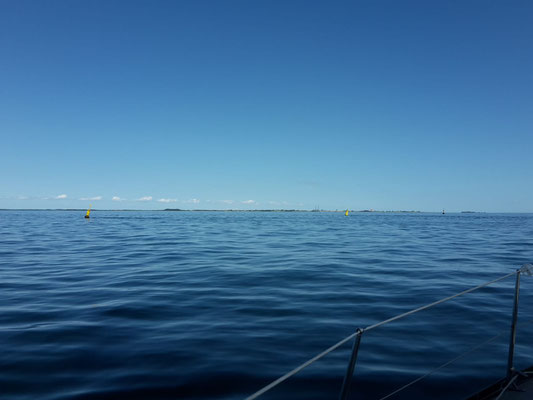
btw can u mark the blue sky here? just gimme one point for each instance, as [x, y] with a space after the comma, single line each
[418, 105]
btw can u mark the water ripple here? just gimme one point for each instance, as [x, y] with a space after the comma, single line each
[165, 305]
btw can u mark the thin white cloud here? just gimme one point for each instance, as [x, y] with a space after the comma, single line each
[194, 201]
[167, 200]
[116, 198]
[22, 198]
[61, 196]
[145, 198]
[248, 202]
[95, 198]
[227, 201]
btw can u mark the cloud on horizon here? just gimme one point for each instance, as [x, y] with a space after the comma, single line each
[145, 198]
[248, 202]
[194, 201]
[116, 198]
[61, 196]
[167, 200]
[95, 198]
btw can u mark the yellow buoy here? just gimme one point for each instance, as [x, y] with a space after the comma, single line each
[88, 212]
[346, 213]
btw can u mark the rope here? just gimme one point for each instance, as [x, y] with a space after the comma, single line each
[346, 339]
[450, 362]
[438, 302]
[442, 366]
[506, 387]
[304, 365]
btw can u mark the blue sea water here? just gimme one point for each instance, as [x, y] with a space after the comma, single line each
[214, 305]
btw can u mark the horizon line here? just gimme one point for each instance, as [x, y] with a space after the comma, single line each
[365, 211]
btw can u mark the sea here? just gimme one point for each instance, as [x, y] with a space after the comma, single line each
[215, 305]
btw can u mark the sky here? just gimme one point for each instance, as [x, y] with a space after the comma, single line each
[389, 105]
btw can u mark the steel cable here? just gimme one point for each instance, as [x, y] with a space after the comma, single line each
[346, 339]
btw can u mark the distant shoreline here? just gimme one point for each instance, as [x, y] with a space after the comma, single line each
[261, 210]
